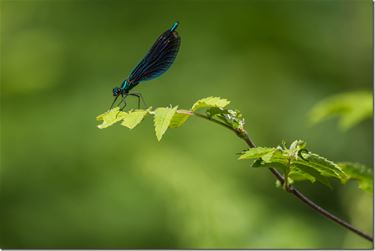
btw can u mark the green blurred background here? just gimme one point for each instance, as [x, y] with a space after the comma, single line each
[67, 184]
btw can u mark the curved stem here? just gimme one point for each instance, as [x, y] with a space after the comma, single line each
[291, 189]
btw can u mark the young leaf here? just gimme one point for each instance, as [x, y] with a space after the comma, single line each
[352, 108]
[324, 166]
[267, 157]
[276, 156]
[232, 118]
[296, 162]
[216, 111]
[133, 118]
[210, 102]
[297, 174]
[297, 145]
[359, 172]
[235, 118]
[257, 152]
[162, 119]
[308, 171]
[281, 165]
[179, 118]
[110, 117]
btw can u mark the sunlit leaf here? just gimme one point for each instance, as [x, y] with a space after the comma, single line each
[359, 172]
[133, 118]
[276, 156]
[216, 111]
[162, 119]
[351, 108]
[297, 145]
[179, 118]
[234, 118]
[110, 117]
[210, 102]
[257, 152]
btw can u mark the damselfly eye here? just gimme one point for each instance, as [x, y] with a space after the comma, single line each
[116, 91]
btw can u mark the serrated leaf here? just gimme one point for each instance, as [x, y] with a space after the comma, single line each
[310, 167]
[179, 118]
[297, 174]
[359, 172]
[215, 111]
[110, 117]
[324, 166]
[351, 108]
[297, 145]
[220, 114]
[267, 157]
[210, 102]
[234, 118]
[133, 118]
[312, 172]
[275, 156]
[261, 163]
[257, 152]
[162, 119]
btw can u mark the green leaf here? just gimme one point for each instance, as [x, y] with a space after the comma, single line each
[282, 166]
[267, 157]
[352, 108]
[234, 118]
[211, 112]
[179, 118]
[257, 152]
[110, 117]
[162, 119]
[210, 102]
[297, 174]
[296, 162]
[359, 172]
[275, 156]
[324, 166]
[308, 171]
[297, 145]
[133, 118]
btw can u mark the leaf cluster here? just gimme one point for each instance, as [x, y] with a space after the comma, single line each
[296, 162]
[170, 117]
[299, 164]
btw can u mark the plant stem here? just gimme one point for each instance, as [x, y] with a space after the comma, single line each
[291, 189]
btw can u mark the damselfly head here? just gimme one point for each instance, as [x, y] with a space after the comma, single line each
[116, 91]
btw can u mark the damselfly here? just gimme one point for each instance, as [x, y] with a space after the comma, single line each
[157, 61]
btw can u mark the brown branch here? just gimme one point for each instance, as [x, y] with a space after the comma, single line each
[291, 189]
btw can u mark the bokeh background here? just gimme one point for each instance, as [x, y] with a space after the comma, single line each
[67, 184]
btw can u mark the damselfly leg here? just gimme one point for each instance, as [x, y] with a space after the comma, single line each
[114, 101]
[123, 100]
[140, 97]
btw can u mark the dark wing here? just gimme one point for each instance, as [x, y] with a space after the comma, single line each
[159, 58]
